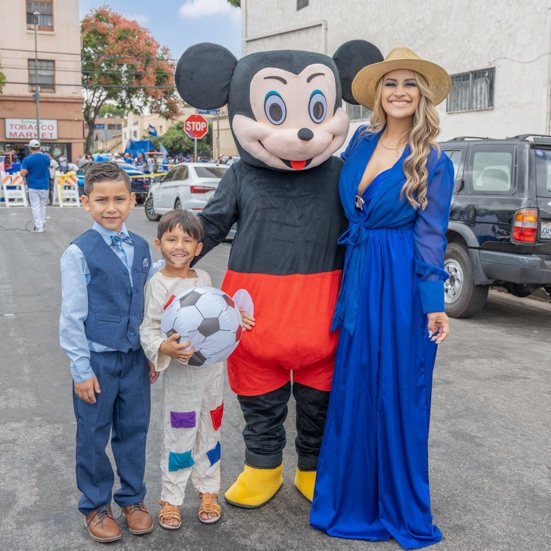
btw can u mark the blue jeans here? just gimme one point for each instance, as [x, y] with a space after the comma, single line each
[122, 409]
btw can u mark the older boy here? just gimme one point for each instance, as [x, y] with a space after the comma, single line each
[103, 273]
[36, 167]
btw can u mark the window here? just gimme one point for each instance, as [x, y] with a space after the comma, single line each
[357, 112]
[473, 91]
[302, 4]
[114, 126]
[492, 171]
[543, 171]
[210, 172]
[135, 134]
[45, 19]
[171, 175]
[455, 157]
[46, 75]
[181, 174]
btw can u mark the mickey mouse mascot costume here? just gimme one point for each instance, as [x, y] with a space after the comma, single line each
[287, 120]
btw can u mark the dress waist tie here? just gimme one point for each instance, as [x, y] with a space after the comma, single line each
[346, 309]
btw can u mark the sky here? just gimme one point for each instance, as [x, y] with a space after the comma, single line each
[179, 24]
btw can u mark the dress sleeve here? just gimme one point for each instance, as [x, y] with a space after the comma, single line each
[220, 214]
[150, 329]
[352, 143]
[429, 236]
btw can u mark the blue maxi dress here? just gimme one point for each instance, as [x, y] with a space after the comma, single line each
[372, 477]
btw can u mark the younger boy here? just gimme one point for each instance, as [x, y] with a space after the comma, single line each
[191, 407]
[103, 273]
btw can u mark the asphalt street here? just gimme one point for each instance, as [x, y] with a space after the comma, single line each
[490, 444]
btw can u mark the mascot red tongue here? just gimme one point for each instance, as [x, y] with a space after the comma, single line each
[297, 165]
[283, 105]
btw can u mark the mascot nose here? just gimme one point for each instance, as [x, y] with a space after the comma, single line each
[305, 134]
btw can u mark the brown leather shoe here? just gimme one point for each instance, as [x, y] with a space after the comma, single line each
[102, 526]
[138, 518]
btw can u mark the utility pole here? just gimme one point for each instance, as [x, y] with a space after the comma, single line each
[36, 95]
[217, 134]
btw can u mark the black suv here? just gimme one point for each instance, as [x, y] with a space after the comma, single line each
[500, 219]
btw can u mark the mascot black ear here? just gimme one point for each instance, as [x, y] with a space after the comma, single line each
[203, 75]
[350, 59]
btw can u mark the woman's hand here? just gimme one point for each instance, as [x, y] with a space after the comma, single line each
[438, 326]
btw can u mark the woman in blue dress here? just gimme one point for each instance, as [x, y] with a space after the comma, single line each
[396, 187]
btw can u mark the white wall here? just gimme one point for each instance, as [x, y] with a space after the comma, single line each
[511, 35]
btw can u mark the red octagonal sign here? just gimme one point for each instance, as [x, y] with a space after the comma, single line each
[196, 126]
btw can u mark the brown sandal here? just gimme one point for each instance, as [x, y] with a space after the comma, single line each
[169, 512]
[209, 506]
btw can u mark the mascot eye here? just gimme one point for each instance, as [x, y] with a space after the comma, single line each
[274, 107]
[318, 106]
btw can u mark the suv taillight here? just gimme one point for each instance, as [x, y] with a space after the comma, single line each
[525, 227]
[202, 189]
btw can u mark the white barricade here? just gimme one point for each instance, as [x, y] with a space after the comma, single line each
[16, 197]
[66, 190]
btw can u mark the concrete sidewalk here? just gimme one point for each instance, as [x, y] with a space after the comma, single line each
[490, 446]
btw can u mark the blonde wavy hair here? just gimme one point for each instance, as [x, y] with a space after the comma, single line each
[423, 133]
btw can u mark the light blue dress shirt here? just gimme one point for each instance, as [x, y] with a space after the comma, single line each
[75, 276]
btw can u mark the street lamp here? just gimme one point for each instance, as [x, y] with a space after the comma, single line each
[36, 95]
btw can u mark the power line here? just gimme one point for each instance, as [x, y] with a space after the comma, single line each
[102, 56]
[152, 62]
[91, 85]
[86, 71]
[40, 51]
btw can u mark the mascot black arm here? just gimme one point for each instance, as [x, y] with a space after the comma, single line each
[220, 214]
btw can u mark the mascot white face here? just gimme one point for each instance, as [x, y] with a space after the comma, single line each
[295, 124]
[284, 106]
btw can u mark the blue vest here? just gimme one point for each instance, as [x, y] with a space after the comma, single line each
[115, 309]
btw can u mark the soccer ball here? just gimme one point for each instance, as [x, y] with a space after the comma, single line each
[209, 319]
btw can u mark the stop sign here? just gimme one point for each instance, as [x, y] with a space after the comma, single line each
[196, 126]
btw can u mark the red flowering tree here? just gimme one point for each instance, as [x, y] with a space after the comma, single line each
[123, 63]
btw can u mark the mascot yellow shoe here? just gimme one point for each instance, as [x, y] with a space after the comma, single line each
[305, 482]
[255, 487]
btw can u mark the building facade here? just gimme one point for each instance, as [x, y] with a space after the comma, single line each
[59, 76]
[136, 127]
[107, 134]
[498, 52]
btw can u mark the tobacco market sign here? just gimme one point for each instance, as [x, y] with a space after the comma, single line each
[25, 129]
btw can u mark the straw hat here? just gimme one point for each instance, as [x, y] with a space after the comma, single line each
[364, 86]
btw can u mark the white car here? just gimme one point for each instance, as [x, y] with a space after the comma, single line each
[187, 186]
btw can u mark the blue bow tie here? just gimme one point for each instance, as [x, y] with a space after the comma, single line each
[118, 239]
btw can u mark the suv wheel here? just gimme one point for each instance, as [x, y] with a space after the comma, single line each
[150, 210]
[463, 298]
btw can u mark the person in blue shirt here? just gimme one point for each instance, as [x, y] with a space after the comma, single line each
[103, 274]
[36, 167]
[396, 188]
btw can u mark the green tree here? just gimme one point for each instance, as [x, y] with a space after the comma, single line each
[236, 3]
[123, 64]
[111, 111]
[176, 141]
[2, 80]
